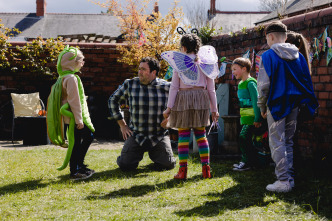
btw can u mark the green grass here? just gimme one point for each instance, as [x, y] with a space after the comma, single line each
[32, 189]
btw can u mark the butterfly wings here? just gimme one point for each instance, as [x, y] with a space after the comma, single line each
[184, 65]
[210, 70]
[188, 68]
[207, 54]
[209, 61]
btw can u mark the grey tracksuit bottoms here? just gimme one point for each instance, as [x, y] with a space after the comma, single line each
[281, 135]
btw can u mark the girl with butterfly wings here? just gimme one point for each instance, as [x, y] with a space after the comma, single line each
[191, 97]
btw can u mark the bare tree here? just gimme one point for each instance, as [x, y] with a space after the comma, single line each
[196, 16]
[196, 13]
[272, 5]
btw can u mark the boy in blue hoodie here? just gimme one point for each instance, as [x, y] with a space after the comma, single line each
[284, 83]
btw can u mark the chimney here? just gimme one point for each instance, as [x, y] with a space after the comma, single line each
[156, 7]
[41, 7]
[212, 7]
[212, 11]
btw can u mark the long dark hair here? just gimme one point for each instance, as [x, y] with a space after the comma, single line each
[191, 42]
[301, 43]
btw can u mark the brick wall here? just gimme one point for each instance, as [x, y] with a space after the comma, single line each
[101, 76]
[314, 138]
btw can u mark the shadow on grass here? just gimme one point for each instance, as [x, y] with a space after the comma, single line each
[31, 185]
[249, 191]
[22, 187]
[141, 171]
[141, 190]
[311, 194]
[103, 175]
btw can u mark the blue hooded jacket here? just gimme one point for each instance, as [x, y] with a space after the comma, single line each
[290, 84]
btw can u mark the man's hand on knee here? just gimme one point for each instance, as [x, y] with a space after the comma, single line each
[125, 130]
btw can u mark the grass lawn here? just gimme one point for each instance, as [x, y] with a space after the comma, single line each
[32, 189]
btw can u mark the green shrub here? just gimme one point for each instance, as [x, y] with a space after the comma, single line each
[207, 32]
[38, 56]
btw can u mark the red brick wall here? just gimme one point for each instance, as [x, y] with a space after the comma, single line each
[314, 136]
[101, 76]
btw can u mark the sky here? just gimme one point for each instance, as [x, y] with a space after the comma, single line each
[84, 6]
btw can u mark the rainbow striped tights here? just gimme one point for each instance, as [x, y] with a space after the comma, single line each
[183, 145]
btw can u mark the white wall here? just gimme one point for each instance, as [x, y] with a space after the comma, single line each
[235, 22]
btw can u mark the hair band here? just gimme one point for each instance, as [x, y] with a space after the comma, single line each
[234, 62]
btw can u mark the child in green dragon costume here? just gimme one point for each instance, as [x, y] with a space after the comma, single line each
[67, 106]
[250, 113]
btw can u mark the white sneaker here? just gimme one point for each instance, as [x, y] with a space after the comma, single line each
[236, 165]
[242, 167]
[279, 186]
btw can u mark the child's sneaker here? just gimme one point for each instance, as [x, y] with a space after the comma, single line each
[279, 186]
[80, 176]
[87, 170]
[242, 167]
[237, 164]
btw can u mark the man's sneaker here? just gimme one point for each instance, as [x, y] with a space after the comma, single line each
[242, 167]
[279, 186]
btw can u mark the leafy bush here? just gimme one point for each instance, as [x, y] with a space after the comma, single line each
[207, 32]
[38, 56]
[5, 33]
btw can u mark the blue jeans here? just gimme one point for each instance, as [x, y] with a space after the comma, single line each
[83, 139]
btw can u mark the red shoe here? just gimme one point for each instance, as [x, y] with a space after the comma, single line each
[206, 171]
[182, 174]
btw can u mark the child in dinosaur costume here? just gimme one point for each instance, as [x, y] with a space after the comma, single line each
[67, 103]
[250, 113]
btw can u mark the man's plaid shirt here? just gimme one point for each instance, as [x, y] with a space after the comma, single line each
[146, 106]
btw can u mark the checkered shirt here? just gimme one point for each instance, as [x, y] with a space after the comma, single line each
[146, 106]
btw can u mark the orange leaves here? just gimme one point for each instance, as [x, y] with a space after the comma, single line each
[146, 33]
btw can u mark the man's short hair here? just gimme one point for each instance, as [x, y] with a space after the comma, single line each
[276, 26]
[243, 62]
[153, 64]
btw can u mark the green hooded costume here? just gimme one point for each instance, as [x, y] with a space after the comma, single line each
[55, 110]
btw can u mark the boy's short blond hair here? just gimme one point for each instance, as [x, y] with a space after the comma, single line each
[243, 62]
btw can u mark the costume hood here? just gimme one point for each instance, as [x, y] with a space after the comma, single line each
[286, 51]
